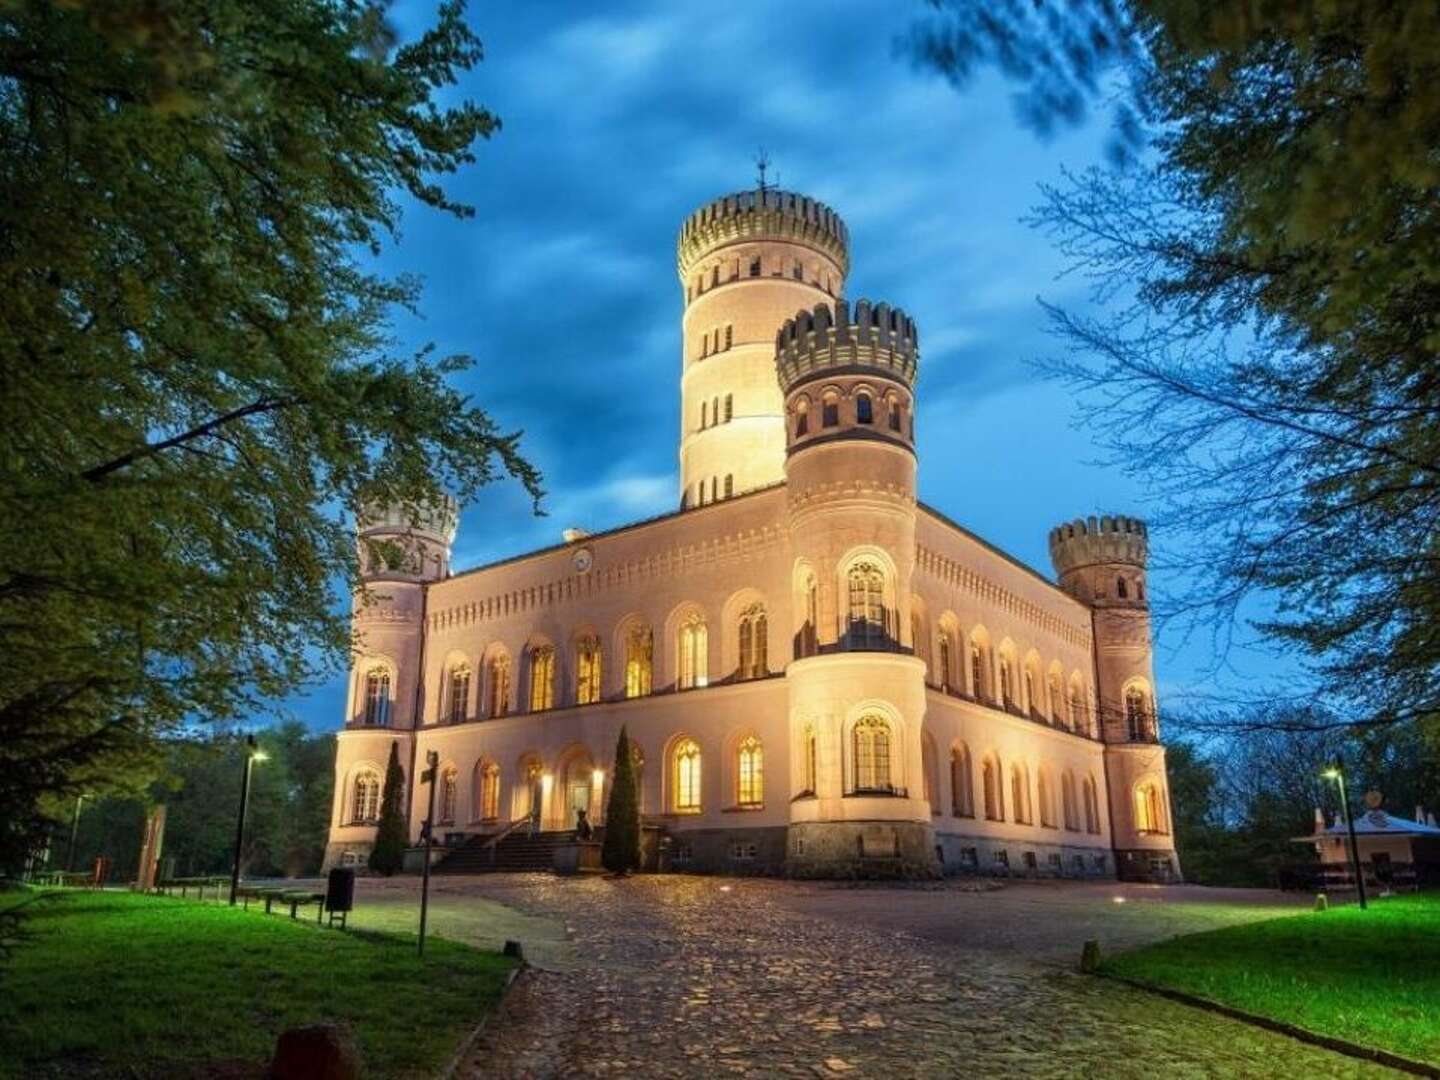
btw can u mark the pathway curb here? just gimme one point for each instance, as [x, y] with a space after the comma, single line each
[1329, 1042]
[468, 1043]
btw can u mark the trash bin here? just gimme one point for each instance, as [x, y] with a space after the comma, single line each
[340, 893]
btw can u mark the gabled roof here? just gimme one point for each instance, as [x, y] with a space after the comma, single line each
[1378, 823]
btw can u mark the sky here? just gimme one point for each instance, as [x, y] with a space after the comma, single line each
[621, 118]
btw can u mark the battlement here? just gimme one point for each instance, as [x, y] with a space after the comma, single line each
[1088, 541]
[436, 522]
[879, 337]
[762, 215]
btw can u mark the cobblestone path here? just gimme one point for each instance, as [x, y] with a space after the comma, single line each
[685, 976]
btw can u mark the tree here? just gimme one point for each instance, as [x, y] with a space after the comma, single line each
[1270, 366]
[198, 383]
[388, 856]
[620, 852]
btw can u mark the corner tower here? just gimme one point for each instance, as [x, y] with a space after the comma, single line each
[1101, 562]
[856, 689]
[746, 262]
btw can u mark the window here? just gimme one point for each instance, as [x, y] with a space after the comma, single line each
[802, 419]
[729, 485]
[1019, 795]
[449, 783]
[499, 686]
[693, 652]
[1078, 718]
[1067, 802]
[1007, 690]
[755, 266]
[639, 657]
[1030, 862]
[1092, 808]
[729, 340]
[894, 416]
[867, 606]
[1120, 589]
[1046, 799]
[753, 643]
[542, 678]
[871, 739]
[587, 670]
[990, 789]
[807, 741]
[1149, 817]
[687, 777]
[459, 693]
[809, 633]
[830, 413]
[714, 488]
[489, 806]
[366, 806]
[743, 852]
[1030, 700]
[978, 685]
[715, 275]
[729, 407]
[946, 649]
[962, 791]
[798, 272]
[377, 697]
[1138, 720]
[864, 409]
[704, 415]
[750, 773]
[1057, 701]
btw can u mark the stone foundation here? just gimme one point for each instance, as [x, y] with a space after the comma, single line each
[355, 853]
[862, 849]
[759, 851]
[991, 857]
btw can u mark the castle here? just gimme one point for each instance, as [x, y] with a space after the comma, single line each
[820, 674]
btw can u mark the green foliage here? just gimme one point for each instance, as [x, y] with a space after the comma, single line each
[388, 855]
[131, 965]
[1371, 977]
[620, 851]
[198, 382]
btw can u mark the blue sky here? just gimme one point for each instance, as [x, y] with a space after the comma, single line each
[621, 118]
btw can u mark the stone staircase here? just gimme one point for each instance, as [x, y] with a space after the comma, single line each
[518, 852]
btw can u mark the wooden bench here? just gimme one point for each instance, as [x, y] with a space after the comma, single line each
[295, 898]
[199, 884]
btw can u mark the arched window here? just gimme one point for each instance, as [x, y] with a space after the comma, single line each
[867, 606]
[1007, 687]
[366, 805]
[1149, 814]
[639, 660]
[499, 686]
[729, 398]
[729, 340]
[895, 416]
[1031, 701]
[704, 414]
[750, 772]
[990, 790]
[1138, 721]
[377, 697]
[802, 418]
[1079, 715]
[979, 685]
[755, 266]
[962, 789]
[830, 412]
[1046, 798]
[754, 643]
[542, 678]
[687, 777]
[1067, 802]
[459, 693]
[864, 409]
[807, 749]
[587, 670]
[1092, 807]
[1019, 795]
[715, 275]
[729, 485]
[715, 410]
[946, 651]
[1121, 590]
[449, 785]
[489, 802]
[1057, 700]
[693, 653]
[871, 741]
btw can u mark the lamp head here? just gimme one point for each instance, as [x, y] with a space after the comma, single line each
[1331, 773]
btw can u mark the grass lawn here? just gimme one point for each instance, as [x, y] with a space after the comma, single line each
[105, 984]
[1369, 977]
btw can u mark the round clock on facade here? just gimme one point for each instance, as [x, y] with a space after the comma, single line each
[583, 559]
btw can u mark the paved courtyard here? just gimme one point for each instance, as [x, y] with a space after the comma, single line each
[693, 976]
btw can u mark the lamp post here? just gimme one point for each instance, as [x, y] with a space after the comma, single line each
[252, 755]
[427, 833]
[1337, 773]
[74, 834]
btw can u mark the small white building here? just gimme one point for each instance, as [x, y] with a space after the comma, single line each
[1391, 848]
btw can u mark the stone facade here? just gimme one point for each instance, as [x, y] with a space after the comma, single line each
[821, 675]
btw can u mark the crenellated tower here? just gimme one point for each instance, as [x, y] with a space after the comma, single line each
[1101, 562]
[746, 262]
[856, 689]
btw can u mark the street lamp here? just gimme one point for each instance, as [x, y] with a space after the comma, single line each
[1337, 773]
[74, 834]
[252, 755]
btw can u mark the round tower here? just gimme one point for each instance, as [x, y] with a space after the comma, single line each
[746, 262]
[401, 550]
[1101, 562]
[856, 689]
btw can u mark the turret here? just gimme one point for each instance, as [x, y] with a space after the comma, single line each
[1101, 562]
[857, 691]
[746, 262]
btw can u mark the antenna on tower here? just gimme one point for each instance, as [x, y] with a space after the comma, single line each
[762, 162]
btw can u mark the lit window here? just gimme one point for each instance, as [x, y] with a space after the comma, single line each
[639, 656]
[871, 739]
[542, 678]
[1019, 795]
[489, 791]
[990, 784]
[459, 693]
[1138, 720]
[807, 739]
[449, 783]
[754, 663]
[750, 773]
[1148, 815]
[864, 410]
[587, 670]
[366, 806]
[687, 777]
[977, 670]
[945, 651]
[802, 419]
[694, 653]
[377, 697]
[867, 606]
[962, 791]
[499, 686]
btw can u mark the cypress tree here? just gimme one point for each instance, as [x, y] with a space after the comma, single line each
[389, 854]
[620, 852]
